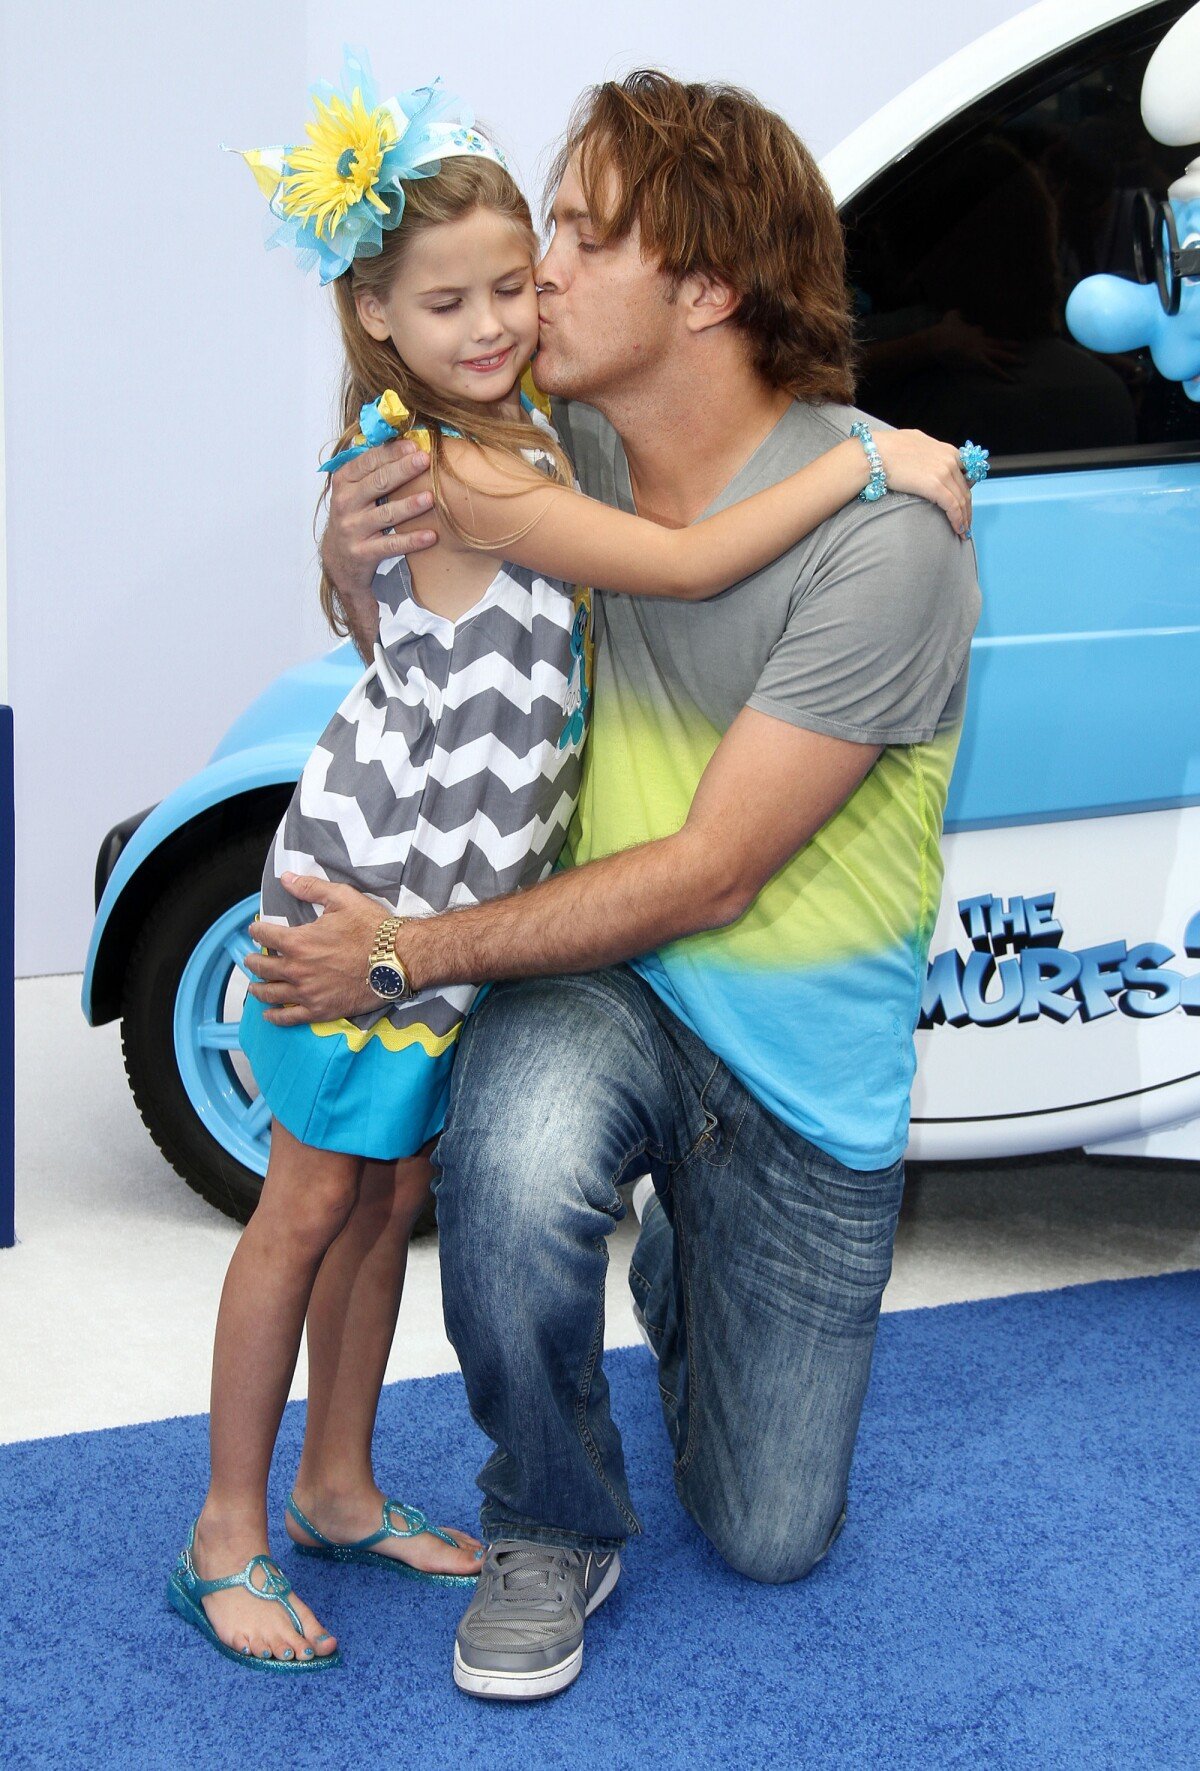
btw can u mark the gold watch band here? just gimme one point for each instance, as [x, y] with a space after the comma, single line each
[385, 940]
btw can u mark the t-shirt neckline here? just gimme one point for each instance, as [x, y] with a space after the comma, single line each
[722, 499]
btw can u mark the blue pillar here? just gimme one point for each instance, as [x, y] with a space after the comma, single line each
[7, 967]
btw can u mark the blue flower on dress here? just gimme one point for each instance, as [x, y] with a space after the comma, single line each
[578, 693]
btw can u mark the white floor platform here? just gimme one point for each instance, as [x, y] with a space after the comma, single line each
[107, 1302]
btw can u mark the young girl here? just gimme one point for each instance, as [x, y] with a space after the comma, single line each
[449, 774]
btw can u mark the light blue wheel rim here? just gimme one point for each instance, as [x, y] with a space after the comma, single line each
[207, 1037]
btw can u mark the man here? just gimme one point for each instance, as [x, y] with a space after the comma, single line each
[759, 823]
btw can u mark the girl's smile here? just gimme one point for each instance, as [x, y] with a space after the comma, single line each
[488, 365]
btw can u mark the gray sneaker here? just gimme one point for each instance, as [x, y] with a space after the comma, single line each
[522, 1634]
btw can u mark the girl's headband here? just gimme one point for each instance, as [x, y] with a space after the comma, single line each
[336, 197]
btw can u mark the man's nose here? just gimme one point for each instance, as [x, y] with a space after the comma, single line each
[544, 273]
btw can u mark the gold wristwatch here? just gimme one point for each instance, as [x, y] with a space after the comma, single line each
[386, 973]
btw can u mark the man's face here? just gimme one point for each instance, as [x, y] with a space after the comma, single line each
[606, 314]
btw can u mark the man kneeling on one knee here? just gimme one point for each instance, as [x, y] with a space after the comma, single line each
[721, 988]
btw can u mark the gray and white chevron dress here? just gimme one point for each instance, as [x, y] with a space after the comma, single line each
[448, 775]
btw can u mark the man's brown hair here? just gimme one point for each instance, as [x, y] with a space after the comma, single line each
[720, 186]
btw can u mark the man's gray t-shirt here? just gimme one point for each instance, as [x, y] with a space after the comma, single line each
[860, 632]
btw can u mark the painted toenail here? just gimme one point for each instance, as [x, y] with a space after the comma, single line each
[325, 1638]
[245, 1647]
[265, 1655]
[308, 1653]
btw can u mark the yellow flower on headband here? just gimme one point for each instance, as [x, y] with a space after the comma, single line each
[341, 167]
[338, 194]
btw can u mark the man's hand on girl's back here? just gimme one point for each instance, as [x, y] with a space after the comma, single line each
[317, 971]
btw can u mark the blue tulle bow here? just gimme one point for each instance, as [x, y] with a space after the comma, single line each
[428, 125]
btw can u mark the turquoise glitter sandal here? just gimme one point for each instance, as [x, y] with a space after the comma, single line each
[185, 1589]
[415, 1525]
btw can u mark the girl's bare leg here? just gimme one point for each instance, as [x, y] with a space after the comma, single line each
[307, 1198]
[351, 1323]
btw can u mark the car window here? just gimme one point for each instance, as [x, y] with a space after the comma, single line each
[963, 255]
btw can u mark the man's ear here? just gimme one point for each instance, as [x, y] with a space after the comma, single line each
[371, 316]
[707, 301]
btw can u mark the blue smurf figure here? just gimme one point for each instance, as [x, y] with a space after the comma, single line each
[1162, 309]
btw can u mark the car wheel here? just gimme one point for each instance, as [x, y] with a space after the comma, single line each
[184, 989]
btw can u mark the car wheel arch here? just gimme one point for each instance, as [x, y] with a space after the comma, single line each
[227, 820]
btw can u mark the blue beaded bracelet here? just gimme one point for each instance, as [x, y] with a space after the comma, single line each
[974, 462]
[876, 486]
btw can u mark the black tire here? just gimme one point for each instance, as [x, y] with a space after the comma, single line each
[168, 937]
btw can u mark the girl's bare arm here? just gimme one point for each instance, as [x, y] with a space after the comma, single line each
[515, 514]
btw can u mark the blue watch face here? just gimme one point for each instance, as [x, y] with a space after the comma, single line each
[385, 980]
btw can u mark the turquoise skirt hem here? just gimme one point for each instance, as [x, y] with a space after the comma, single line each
[375, 1103]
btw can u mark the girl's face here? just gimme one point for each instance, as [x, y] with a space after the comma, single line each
[462, 309]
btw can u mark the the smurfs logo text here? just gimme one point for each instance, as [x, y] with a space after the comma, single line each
[1019, 969]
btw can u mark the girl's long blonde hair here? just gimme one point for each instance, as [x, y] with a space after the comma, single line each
[371, 365]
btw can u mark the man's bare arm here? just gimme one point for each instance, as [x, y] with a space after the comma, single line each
[768, 788]
[361, 615]
[365, 499]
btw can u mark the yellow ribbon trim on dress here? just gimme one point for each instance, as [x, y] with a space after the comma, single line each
[534, 394]
[393, 411]
[396, 1039]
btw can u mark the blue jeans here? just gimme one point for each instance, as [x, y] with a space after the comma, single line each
[759, 1271]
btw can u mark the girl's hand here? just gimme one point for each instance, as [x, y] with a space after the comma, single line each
[919, 464]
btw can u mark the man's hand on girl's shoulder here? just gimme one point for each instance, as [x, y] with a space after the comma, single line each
[368, 513]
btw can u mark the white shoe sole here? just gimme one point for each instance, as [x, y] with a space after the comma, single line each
[643, 1193]
[640, 1320]
[545, 1681]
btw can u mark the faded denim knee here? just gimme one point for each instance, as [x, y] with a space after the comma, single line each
[773, 1547]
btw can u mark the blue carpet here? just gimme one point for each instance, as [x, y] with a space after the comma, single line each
[1016, 1586]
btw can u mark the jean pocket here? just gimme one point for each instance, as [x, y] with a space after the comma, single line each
[723, 1102]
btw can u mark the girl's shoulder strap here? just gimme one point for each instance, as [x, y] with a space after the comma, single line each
[532, 395]
[527, 406]
[537, 457]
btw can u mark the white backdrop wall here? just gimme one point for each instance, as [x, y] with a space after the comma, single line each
[168, 385]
